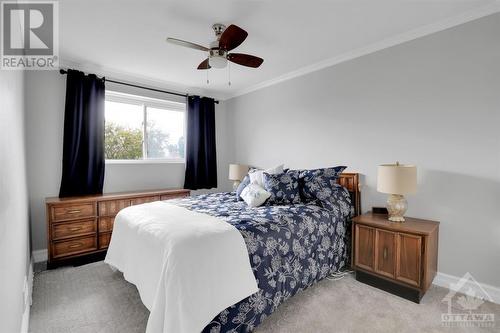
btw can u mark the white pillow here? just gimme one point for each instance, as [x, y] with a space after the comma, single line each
[254, 195]
[257, 176]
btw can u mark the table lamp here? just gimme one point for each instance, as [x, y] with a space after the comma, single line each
[397, 180]
[236, 173]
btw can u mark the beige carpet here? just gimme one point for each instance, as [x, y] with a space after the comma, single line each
[93, 298]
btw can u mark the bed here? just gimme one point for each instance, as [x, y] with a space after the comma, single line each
[287, 248]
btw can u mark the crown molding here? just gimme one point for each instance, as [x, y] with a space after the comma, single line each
[429, 29]
[383, 44]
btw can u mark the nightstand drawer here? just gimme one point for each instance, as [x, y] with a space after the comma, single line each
[364, 253]
[72, 211]
[409, 258]
[385, 252]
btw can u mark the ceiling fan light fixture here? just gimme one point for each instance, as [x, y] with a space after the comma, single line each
[228, 38]
[217, 61]
[217, 58]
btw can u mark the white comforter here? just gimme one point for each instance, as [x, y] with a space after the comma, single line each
[187, 266]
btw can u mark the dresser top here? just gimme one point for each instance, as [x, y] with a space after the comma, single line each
[411, 225]
[114, 196]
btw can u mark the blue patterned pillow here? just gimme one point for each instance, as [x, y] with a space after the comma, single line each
[244, 183]
[284, 187]
[338, 201]
[317, 184]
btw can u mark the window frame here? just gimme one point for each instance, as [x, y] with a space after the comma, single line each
[145, 102]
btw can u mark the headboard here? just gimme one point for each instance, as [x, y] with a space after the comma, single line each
[351, 182]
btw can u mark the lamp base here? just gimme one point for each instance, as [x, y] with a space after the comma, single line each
[236, 183]
[396, 207]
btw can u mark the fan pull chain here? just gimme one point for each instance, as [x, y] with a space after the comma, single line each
[228, 73]
[208, 82]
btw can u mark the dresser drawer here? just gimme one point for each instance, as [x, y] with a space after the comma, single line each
[138, 201]
[73, 229]
[82, 225]
[112, 207]
[72, 211]
[174, 196]
[74, 246]
[106, 223]
[104, 240]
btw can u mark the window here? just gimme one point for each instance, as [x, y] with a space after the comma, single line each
[140, 128]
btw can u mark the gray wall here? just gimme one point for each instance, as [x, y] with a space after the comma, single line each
[14, 225]
[434, 102]
[45, 118]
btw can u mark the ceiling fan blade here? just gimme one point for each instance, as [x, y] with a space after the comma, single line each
[187, 44]
[245, 59]
[232, 37]
[204, 64]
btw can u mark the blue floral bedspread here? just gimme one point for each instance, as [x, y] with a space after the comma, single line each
[291, 247]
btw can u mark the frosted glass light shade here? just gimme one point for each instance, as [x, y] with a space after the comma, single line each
[237, 171]
[397, 179]
[217, 61]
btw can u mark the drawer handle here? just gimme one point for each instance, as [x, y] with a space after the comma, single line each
[385, 253]
[75, 228]
[74, 211]
[75, 245]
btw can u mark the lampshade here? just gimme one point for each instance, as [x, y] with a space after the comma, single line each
[237, 171]
[397, 179]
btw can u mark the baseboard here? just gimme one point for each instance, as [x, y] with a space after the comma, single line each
[467, 285]
[40, 255]
[28, 298]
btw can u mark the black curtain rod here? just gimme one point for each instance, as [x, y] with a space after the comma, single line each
[63, 71]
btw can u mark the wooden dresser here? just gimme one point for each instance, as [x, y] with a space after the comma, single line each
[81, 226]
[397, 257]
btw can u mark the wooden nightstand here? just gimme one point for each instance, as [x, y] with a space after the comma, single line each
[400, 258]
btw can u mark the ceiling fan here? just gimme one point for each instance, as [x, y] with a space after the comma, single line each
[218, 53]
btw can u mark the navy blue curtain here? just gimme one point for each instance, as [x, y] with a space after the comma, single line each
[201, 158]
[83, 147]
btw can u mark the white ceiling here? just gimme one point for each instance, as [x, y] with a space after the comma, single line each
[128, 37]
